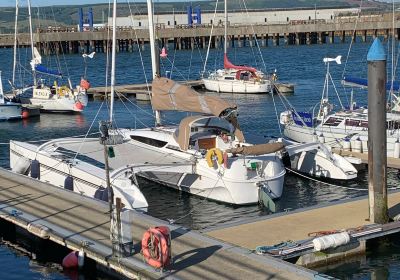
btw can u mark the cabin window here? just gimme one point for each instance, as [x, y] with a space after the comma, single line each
[175, 22]
[309, 18]
[332, 121]
[265, 19]
[229, 78]
[211, 21]
[168, 23]
[140, 24]
[287, 19]
[350, 122]
[149, 141]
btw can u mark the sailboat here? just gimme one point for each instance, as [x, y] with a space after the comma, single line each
[8, 110]
[234, 78]
[345, 129]
[50, 163]
[53, 98]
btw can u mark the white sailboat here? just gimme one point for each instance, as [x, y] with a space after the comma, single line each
[51, 163]
[345, 129]
[8, 110]
[234, 78]
[54, 98]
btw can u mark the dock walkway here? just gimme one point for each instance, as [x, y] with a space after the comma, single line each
[74, 220]
[297, 225]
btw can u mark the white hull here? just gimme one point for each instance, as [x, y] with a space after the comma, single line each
[53, 105]
[188, 170]
[88, 179]
[10, 112]
[236, 86]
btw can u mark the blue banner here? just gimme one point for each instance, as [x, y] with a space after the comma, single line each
[305, 118]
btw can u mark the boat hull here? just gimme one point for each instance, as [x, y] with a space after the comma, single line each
[236, 86]
[10, 112]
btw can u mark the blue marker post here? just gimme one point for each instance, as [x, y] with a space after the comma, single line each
[377, 146]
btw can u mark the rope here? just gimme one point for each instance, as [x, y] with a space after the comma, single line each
[332, 185]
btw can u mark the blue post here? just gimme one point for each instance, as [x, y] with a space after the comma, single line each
[90, 18]
[189, 14]
[198, 14]
[80, 15]
[377, 141]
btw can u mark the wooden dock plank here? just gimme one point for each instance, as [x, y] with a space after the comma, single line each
[74, 218]
[297, 225]
[391, 162]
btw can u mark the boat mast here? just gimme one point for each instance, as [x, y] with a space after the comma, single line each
[113, 51]
[225, 26]
[154, 67]
[32, 43]
[15, 41]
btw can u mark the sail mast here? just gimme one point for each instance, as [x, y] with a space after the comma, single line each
[225, 25]
[32, 43]
[154, 67]
[15, 41]
[113, 51]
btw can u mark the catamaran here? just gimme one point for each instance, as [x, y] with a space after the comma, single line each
[234, 78]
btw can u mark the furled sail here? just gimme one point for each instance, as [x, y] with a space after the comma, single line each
[363, 83]
[257, 150]
[168, 95]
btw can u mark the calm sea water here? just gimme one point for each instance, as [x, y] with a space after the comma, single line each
[301, 65]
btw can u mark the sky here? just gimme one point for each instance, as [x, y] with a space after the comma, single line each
[11, 3]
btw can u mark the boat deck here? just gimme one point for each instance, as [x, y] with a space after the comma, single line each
[296, 225]
[75, 220]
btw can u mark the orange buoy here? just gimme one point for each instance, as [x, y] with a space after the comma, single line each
[71, 260]
[25, 114]
[156, 246]
[78, 106]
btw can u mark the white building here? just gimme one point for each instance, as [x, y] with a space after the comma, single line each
[236, 18]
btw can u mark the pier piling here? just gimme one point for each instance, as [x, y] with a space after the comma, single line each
[377, 146]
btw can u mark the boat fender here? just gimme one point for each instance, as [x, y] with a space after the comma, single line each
[331, 241]
[81, 258]
[35, 169]
[213, 154]
[156, 246]
[70, 260]
[396, 152]
[104, 195]
[225, 158]
[39, 230]
[69, 183]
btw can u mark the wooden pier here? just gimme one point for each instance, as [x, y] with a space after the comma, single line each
[81, 223]
[391, 161]
[304, 32]
[140, 91]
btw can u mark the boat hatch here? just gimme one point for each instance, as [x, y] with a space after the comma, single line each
[149, 141]
[332, 121]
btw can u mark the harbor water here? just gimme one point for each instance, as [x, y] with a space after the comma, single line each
[258, 116]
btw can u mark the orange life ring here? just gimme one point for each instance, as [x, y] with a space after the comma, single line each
[156, 246]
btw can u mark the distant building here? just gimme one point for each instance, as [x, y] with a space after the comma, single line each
[236, 17]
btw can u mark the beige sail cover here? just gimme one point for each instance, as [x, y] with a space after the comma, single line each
[169, 95]
[257, 150]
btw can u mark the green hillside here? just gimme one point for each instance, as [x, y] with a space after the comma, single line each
[68, 15]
